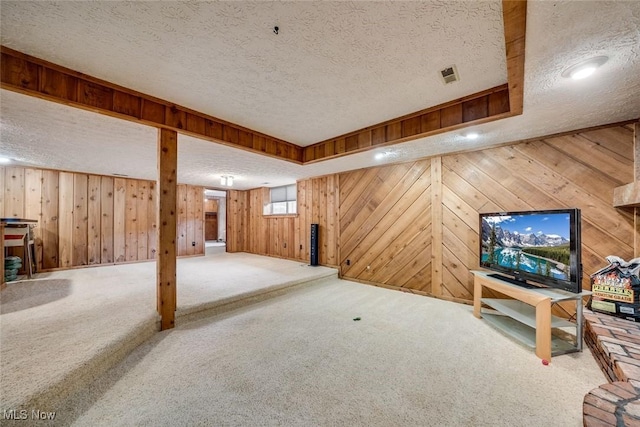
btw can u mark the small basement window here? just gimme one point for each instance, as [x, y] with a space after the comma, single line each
[283, 201]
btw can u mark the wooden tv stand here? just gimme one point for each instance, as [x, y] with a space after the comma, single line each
[527, 317]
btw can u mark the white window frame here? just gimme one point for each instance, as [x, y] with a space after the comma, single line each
[283, 200]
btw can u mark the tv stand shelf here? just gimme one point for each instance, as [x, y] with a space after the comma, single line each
[527, 317]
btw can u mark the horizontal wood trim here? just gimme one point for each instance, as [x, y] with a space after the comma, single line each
[36, 77]
[493, 104]
[627, 196]
[481, 107]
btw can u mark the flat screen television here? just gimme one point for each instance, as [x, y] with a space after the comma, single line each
[533, 248]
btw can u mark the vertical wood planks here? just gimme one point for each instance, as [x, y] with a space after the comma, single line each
[181, 207]
[106, 219]
[33, 209]
[199, 219]
[232, 227]
[50, 219]
[143, 217]
[332, 219]
[190, 219]
[65, 224]
[94, 223]
[286, 236]
[80, 219]
[14, 192]
[91, 219]
[152, 221]
[130, 220]
[119, 219]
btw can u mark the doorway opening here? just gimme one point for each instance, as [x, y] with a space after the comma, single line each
[215, 221]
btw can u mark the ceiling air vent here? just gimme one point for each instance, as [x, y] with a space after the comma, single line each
[449, 74]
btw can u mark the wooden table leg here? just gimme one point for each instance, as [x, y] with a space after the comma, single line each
[477, 296]
[543, 330]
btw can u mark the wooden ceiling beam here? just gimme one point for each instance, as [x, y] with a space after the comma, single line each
[481, 107]
[32, 76]
[514, 16]
[628, 196]
[25, 74]
[493, 104]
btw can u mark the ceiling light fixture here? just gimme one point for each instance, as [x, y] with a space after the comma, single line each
[472, 135]
[4, 160]
[226, 181]
[584, 68]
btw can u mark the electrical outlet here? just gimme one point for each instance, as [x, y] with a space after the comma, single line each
[285, 245]
[348, 262]
[193, 243]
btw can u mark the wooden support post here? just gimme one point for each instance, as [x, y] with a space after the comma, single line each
[628, 196]
[166, 262]
[514, 15]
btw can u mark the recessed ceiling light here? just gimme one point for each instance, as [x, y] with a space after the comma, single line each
[385, 154]
[584, 68]
[5, 160]
[472, 135]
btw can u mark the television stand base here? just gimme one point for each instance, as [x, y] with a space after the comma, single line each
[526, 315]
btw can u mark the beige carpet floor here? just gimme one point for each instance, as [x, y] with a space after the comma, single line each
[62, 330]
[301, 359]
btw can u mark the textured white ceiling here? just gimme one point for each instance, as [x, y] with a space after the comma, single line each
[333, 67]
[347, 66]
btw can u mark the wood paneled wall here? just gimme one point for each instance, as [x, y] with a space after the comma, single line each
[414, 226]
[286, 236]
[579, 170]
[385, 225]
[91, 219]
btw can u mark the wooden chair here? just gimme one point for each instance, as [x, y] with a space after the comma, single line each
[15, 237]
